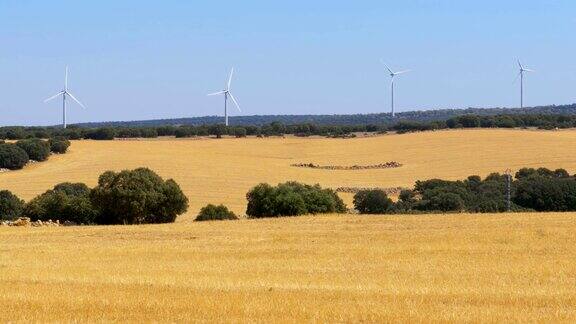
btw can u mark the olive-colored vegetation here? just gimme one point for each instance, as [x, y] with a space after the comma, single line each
[11, 207]
[212, 212]
[292, 199]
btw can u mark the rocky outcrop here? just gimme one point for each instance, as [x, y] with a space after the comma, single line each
[26, 222]
[354, 190]
[387, 165]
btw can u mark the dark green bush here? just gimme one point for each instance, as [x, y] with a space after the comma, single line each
[292, 199]
[65, 202]
[102, 134]
[213, 212]
[12, 157]
[37, 149]
[137, 196]
[372, 202]
[11, 207]
[59, 145]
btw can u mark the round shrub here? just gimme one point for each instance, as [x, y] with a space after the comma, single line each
[37, 149]
[65, 202]
[59, 145]
[11, 207]
[292, 199]
[213, 212]
[12, 157]
[372, 202]
[137, 196]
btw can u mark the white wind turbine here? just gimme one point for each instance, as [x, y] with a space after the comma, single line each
[65, 93]
[226, 92]
[392, 75]
[521, 75]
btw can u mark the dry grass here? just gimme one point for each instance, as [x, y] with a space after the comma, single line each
[222, 171]
[489, 268]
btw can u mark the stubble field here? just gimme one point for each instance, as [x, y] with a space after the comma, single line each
[333, 268]
[222, 171]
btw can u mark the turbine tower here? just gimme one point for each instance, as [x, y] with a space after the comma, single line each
[521, 74]
[65, 93]
[226, 92]
[392, 76]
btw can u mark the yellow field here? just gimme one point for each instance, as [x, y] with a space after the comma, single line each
[222, 171]
[488, 268]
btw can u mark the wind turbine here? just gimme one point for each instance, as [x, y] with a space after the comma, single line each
[392, 75]
[65, 93]
[521, 74]
[226, 92]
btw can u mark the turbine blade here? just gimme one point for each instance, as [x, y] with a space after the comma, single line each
[235, 102]
[66, 79]
[405, 71]
[71, 96]
[528, 70]
[520, 65]
[216, 93]
[517, 77]
[387, 68]
[54, 96]
[230, 79]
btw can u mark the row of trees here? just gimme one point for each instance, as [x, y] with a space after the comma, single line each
[14, 156]
[142, 197]
[542, 121]
[137, 196]
[530, 190]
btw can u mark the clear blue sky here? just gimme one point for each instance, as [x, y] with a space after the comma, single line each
[134, 60]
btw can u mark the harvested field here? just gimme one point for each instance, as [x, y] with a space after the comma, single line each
[222, 171]
[435, 268]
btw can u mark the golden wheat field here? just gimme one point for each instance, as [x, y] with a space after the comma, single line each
[222, 171]
[332, 268]
[480, 268]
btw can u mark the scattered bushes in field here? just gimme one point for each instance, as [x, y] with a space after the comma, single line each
[137, 196]
[292, 199]
[16, 156]
[59, 145]
[372, 202]
[213, 212]
[65, 202]
[37, 149]
[11, 207]
[532, 189]
[12, 157]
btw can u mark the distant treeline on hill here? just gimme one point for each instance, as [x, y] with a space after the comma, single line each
[342, 120]
[541, 121]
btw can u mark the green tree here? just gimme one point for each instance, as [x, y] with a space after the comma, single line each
[37, 149]
[372, 202]
[12, 157]
[11, 207]
[213, 212]
[65, 202]
[137, 196]
[59, 145]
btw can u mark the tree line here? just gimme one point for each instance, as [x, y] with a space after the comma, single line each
[530, 189]
[140, 196]
[14, 156]
[541, 121]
